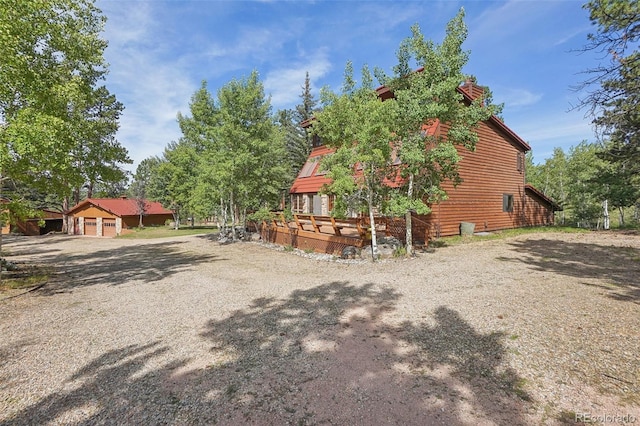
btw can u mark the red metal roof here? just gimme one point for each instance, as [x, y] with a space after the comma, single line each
[312, 180]
[122, 206]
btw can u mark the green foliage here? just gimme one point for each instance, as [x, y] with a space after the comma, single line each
[228, 160]
[97, 154]
[174, 178]
[262, 214]
[614, 95]
[16, 210]
[379, 142]
[359, 126]
[400, 252]
[57, 127]
[248, 148]
[298, 141]
[295, 140]
[428, 97]
[581, 180]
[52, 57]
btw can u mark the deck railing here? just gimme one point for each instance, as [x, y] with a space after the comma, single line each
[326, 234]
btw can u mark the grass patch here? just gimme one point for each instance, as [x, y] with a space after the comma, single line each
[24, 277]
[569, 418]
[506, 233]
[150, 232]
[400, 252]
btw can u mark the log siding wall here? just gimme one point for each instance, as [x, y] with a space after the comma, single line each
[488, 173]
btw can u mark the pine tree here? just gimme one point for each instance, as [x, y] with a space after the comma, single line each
[614, 87]
[298, 141]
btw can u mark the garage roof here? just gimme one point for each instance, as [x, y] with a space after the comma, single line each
[122, 206]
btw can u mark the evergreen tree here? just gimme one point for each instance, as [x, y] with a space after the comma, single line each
[307, 108]
[98, 155]
[614, 96]
[139, 189]
[297, 148]
[298, 141]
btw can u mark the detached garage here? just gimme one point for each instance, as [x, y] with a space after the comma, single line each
[51, 220]
[108, 217]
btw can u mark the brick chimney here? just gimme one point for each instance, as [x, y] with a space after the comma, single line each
[472, 89]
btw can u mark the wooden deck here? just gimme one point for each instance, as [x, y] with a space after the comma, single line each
[325, 234]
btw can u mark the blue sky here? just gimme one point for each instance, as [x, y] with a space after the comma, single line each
[160, 51]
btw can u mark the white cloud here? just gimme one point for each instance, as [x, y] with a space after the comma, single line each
[151, 89]
[500, 23]
[128, 24]
[513, 98]
[285, 84]
[391, 15]
[573, 33]
[544, 132]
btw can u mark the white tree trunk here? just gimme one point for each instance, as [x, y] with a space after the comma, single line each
[233, 216]
[605, 211]
[176, 219]
[374, 241]
[408, 224]
[65, 217]
[621, 214]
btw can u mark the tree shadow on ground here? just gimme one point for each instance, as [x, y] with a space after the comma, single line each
[20, 245]
[213, 237]
[115, 388]
[322, 355]
[617, 267]
[143, 262]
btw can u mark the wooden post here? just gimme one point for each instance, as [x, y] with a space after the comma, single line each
[316, 228]
[361, 230]
[336, 229]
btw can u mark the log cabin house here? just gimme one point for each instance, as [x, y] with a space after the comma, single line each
[109, 217]
[493, 194]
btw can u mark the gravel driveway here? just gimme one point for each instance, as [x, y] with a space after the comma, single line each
[537, 329]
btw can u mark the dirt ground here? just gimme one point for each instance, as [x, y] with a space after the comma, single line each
[542, 328]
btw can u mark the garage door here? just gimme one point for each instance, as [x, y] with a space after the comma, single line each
[90, 226]
[108, 227]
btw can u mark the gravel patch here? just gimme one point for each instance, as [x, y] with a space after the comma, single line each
[536, 329]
